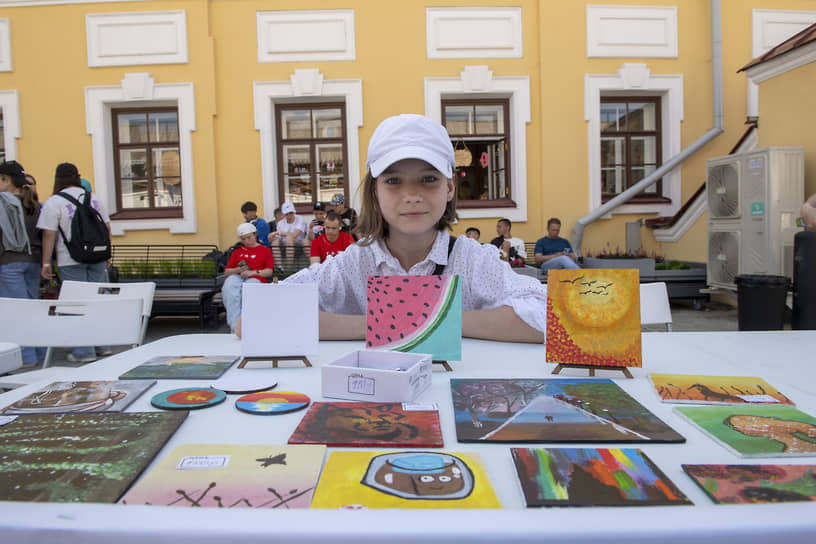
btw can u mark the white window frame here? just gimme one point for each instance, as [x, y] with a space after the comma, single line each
[306, 86]
[631, 80]
[10, 106]
[140, 90]
[478, 82]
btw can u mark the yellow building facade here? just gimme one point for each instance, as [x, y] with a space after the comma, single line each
[178, 111]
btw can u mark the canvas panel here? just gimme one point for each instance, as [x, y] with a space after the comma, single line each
[416, 479]
[415, 314]
[593, 317]
[231, 476]
[88, 396]
[79, 457]
[756, 431]
[368, 424]
[696, 389]
[181, 368]
[552, 410]
[279, 319]
[593, 477]
[751, 484]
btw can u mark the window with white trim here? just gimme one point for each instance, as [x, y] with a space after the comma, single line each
[630, 145]
[480, 133]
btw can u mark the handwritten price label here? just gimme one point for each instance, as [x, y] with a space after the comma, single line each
[361, 385]
[197, 462]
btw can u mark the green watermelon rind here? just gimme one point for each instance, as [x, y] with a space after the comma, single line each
[447, 303]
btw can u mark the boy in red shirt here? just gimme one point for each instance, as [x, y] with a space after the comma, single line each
[331, 242]
[249, 262]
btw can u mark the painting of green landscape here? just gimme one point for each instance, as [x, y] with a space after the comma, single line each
[79, 457]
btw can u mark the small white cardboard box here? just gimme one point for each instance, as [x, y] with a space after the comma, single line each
[377, 376]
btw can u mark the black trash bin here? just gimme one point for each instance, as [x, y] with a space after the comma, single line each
[761, 302]
[804, 281]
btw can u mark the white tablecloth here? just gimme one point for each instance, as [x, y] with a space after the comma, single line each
[785, 359]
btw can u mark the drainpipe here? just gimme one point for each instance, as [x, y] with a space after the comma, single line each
[651, 179]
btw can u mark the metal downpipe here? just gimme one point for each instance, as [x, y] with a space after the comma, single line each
[718, 121]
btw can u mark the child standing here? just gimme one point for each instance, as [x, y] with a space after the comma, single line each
[408, 205]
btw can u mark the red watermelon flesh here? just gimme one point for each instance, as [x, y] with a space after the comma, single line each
[400, 309]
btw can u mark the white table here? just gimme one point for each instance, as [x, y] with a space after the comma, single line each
[785, 359]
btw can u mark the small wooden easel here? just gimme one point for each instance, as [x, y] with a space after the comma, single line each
[443, 364]
[274, 360]
[592, 369]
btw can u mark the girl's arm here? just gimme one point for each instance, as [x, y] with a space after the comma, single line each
[500, 324]
[341, 326]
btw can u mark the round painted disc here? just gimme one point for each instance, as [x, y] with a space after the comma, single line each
[238, 383]
[188, 398]
[272, 402]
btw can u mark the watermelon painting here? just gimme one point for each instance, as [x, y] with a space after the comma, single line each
[416, 314]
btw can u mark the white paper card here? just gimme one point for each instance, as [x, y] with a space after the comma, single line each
[279, 319]
[417, 407]
[197, 462]
[758, 398]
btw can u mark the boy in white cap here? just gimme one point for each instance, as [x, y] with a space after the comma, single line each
[249, 262]
[291, 230]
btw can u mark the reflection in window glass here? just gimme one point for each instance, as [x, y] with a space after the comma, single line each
[489, 120]
[478, 134]
[613, 117]
[630, 143]
[147, 158]
[459, 119]
[327, 123]
[163, 127]
[296, 124]
[312, 168]
[132, 128]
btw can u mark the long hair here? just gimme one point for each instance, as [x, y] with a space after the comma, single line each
[63, 182]
[370, 224]
[28, 197]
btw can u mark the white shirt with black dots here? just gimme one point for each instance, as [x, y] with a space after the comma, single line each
[487, 282]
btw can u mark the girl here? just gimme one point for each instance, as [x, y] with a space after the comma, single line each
[21, 248]
[408, 206]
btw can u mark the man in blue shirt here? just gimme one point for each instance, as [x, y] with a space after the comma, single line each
[250, 211]
[553, 251]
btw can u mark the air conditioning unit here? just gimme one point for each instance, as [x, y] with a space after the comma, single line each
[753, 201]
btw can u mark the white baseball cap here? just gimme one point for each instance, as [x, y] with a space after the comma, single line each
[246, 228]
[287, 207]
[410, 136]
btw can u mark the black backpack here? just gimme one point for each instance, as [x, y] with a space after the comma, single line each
[90, 239]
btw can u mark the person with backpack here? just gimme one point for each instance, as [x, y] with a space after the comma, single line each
[74, 222]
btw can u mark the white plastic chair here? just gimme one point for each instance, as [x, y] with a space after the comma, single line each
[64, 323]
[86, 290]
[654, 305]
[11, 357]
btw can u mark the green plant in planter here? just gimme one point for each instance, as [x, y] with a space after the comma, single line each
[127, 269]
[608, 253]
[167, 269]
[145, 269]
[672, 265]
[205, 269]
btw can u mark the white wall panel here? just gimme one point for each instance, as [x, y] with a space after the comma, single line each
[128, 39]
[632, 31]
[291, 36]
[464, 33]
